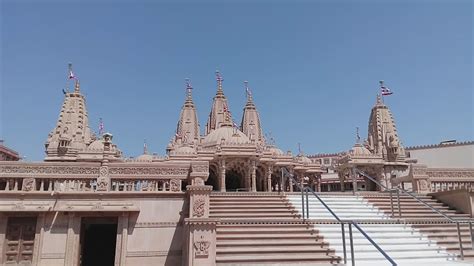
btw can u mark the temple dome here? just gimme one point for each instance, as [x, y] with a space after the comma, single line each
[275, 151]
[184, 149]
[96, 145]
[226, 133]
[304, 160]
[145, 158]
[359, 150]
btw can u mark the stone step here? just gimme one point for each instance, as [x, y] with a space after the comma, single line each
[283, 258]
[267, 230]
[265, 237]
[273, 242]
[271, 249]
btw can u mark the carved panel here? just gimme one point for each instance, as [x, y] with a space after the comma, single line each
[175, 185]
[39, 169]
[156, 171]
[28, 184]
[201, 247]
[199, 206]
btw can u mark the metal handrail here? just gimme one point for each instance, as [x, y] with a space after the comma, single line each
[457, 222]
[416, 198]
[342, 222]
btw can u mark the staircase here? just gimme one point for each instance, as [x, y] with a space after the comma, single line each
[263, 228]
[428, 222]
[404, 243]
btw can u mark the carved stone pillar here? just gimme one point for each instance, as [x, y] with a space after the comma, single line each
[254, 175]
[269, 178]
[201, 230]
[222, 175]
[420, 179]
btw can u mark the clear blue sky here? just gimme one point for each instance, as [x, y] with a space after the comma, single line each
[313, 67]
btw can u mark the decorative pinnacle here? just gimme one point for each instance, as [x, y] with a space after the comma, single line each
[381, 83]
[219, 80]
[357, 135]
[189, 88]
[145, 147]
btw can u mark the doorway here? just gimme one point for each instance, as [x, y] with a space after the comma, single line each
[98, 241]
[19, 240]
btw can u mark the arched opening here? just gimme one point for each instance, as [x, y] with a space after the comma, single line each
[234, 181]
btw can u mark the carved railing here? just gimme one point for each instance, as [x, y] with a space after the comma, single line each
[444, 179]
[47, 184]
[155, 185]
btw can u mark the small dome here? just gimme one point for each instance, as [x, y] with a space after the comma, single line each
[359, 149]
[97, 145]
[145, 158]
[228, 134]
[304, 160]
[184, 149]
[275, 151]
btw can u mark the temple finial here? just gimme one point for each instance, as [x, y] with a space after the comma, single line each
[299, 149]
[248, 93]
[357, 135]
[189, 89]
[145, 147]
[74, 77]
[101, 127]
[219, 80]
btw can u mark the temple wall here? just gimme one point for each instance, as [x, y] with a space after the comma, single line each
[461, 156]
[52, 242]
[460, 199]
[156, 236]
[152, 236]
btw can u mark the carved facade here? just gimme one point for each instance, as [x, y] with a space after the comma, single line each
[158, 207]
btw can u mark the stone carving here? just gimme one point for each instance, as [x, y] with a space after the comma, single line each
[200, 168]
[104, 171]
[102, 184]
[37, 169]
[199, 206]
[97, 206]
[175, 185]
[201, 247]
[164, 171]
[19, 206]
[28, 184]
[423, 185]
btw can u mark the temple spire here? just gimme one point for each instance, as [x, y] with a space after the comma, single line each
[250, 124]
[220, 114]
[187, 131]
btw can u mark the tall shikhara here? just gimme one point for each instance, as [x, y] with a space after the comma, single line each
[187, 131]
[383, 137]
[72, 139]
[72, 133]
[250, 124]
[220, 114]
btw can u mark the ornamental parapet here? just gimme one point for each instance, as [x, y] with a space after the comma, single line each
[64, 177]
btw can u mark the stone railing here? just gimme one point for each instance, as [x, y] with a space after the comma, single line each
[86, 177]
[155, 185]
[47, 184]
[444, 179]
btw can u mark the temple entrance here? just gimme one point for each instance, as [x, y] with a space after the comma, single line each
[98, 241]
[234, 181]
